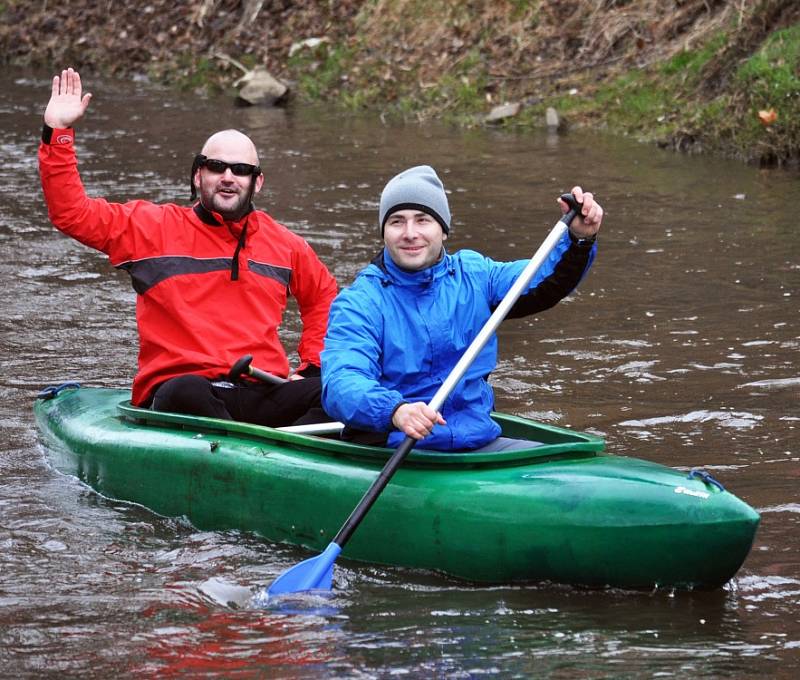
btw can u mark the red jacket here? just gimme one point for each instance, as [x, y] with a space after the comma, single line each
[195, 312]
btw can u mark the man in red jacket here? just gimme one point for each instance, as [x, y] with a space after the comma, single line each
[212, 279]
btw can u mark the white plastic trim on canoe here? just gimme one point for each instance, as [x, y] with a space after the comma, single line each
[313, 428]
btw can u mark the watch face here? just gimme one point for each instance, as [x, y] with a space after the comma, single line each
[584, 241]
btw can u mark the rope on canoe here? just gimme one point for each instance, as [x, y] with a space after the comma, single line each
[699, 473]
[53, 390]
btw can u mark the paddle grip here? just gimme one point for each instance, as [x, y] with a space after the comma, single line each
[574, 208]
[242, 365]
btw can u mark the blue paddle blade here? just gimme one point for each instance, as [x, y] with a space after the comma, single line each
[315, 573]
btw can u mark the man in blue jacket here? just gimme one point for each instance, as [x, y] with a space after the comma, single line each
[394, 336]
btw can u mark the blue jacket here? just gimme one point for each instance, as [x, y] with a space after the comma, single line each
[394, 336]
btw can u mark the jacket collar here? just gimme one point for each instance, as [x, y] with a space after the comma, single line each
[214, 219]
[391, 272]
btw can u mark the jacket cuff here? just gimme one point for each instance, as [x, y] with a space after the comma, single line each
[57, 135]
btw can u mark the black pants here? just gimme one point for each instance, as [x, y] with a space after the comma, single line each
[296, 402]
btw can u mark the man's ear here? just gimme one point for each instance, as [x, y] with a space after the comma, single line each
[444, 235]
[259, 183]
[196, 179]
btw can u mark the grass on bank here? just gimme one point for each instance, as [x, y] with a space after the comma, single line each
[674, 104]
[770, 81]
[689, 101]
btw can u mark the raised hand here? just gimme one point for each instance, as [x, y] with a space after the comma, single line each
[67, 104]
[588, 220]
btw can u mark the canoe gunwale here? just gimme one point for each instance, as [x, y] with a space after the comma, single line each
[558, 442]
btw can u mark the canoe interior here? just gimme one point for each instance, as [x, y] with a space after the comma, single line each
[549, 441]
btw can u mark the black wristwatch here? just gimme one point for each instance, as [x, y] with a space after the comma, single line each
[583, 240]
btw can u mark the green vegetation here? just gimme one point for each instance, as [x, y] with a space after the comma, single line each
[189, 73]
[322, 70]
[522, 8]
[673, 103]
[654, 103]
[773, 70]
[770, 81]
[688, 65]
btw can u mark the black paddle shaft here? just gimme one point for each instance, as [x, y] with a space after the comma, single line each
[374, 491]
[242, 366]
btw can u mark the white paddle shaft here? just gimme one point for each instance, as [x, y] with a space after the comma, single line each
[522, 282]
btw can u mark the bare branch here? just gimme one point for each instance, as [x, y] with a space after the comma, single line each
[251, 10]
[205, 8]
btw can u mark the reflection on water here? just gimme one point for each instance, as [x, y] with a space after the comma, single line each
[680, 347]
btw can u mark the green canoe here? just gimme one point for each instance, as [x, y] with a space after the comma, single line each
[564, 511]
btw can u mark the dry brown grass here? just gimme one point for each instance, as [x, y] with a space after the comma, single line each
[541, 40]
[526, 48]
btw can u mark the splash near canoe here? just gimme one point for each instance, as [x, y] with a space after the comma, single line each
[564, 511]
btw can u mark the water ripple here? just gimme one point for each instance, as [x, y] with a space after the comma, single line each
[775, 383]
[735, 419]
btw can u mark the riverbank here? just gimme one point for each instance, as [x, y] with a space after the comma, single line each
[695, 75]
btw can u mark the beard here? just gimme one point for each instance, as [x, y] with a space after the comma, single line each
[214, 199]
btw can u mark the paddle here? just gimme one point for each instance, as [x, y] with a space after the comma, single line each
[243, 366]
[316, 573]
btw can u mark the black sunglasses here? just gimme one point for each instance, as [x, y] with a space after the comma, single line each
[218, 167]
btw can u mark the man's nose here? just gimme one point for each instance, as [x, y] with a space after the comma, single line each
[410, 228]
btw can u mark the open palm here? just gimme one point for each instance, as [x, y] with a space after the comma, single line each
[67, 103]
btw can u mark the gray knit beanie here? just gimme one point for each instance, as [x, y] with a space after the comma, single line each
[418, 188]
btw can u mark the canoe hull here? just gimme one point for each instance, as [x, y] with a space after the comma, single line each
[582, 517]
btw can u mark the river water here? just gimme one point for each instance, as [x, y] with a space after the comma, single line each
[681, 347]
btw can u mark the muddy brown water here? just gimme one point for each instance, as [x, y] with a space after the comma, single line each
[682, 346]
